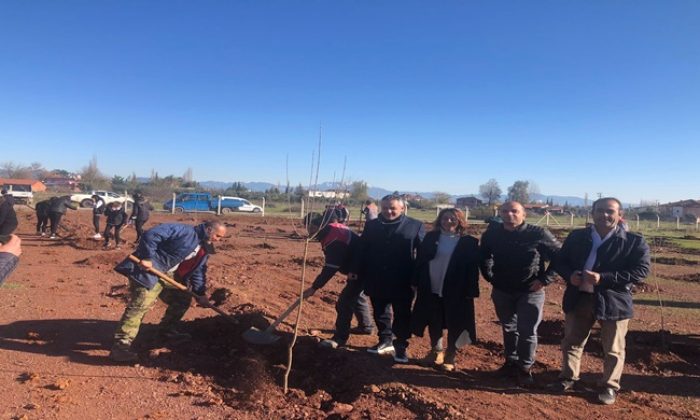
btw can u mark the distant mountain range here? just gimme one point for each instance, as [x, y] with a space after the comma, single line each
[378, 192]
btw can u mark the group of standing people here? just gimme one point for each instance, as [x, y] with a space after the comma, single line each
[52, 210]
[412, 280]
[116, 218]
[395, 261]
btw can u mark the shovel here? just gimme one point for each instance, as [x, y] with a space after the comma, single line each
[182, 287]
[255, 336]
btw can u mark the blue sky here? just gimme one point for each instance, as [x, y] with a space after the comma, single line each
[577, 96]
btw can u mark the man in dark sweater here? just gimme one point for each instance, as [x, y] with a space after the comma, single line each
[385, 264]
[338, 243]
[98, 208]
[512, 258]
[140, 214]
[116, 219]
[600, 264]
[57, 208]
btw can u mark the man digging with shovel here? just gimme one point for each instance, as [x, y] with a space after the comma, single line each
[180, 250]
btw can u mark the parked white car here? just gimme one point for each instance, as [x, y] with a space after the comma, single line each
[21, 193]
[243, 205]
[85, 199]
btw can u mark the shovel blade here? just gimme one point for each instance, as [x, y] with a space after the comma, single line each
[255, 336]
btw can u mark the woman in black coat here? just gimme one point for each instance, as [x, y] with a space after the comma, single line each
[447, 281]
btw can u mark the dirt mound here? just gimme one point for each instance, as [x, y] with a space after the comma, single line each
[220, 295]
[104, 259]
[693, 277]
[676, 261]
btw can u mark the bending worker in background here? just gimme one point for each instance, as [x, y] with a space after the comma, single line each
[338, 243]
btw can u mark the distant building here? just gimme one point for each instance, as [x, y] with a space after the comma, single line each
[62, 182]
[536, 207]
[470, 202]
[329, 194]
[23, 184]
[413, 197]
[683, 208]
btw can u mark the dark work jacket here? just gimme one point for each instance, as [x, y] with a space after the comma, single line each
[116, 217]
[622, 261]
[339, 243]
[141, 211]
[166, 246]
[42, 208]
[8, 217]
[61, 204]
[385, 262]
[460, 287]
[511, 261]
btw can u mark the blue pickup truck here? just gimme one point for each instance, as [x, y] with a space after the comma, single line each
[190, 202]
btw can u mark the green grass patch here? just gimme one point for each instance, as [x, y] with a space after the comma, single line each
[687, 243]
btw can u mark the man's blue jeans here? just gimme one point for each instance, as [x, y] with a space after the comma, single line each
[519, 313]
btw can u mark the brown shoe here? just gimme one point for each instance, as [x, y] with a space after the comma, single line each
[433, 358]
[449, 363]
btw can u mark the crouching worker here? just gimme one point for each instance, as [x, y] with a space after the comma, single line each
[116, 219]
[180, 250]
[338, 242]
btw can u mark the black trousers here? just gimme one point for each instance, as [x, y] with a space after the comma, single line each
[55, 218]
[351, 301]
[96, 222]
[108, 234]
[42, 221]
[400, 326]
[138, 225]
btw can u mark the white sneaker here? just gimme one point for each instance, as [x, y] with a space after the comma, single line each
[382, 348]
[331, 344]
[97, 236]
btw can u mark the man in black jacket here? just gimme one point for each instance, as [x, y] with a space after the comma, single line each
[98, 208]
[8, 217]
[600, 264]
[385, 264]
[140, 214]
[57, 208]
[512, 258]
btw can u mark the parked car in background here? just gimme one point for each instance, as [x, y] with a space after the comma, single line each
[85, 199]
[241, 204]
[21, 193]
[190, 202]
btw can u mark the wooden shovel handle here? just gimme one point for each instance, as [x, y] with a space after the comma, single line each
[284, 315]
[182, 287]
[164, 276]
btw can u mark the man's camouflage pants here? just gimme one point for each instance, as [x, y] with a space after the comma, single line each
[141, 300]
